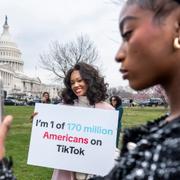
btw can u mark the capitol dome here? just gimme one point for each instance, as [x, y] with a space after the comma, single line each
[15, 82]
[9, 52]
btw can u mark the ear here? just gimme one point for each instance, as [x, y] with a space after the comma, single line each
[176, 43]
[177, 23]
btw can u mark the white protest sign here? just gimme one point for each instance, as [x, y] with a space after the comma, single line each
[73, 138]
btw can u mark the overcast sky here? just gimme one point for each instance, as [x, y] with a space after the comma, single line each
[34, 24]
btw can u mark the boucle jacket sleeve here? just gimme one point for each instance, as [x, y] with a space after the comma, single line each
[156, 155]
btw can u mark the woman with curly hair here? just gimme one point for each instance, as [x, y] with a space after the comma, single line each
[83, 81]
[83, 87]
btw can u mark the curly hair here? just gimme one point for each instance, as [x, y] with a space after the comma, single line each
[97, 88]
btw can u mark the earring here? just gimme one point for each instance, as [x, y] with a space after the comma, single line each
[177, 43]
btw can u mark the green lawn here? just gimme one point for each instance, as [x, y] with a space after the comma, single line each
[137, 115]
[18, 144]
[18, 139]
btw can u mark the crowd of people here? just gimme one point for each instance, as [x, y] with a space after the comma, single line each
[149, 55]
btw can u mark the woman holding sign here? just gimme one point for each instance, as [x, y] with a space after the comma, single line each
[83, 87]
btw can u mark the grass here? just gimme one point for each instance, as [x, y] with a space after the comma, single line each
[18, 144]
[137, 115]
[18, 139]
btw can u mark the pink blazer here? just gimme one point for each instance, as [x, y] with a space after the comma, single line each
[68, 175]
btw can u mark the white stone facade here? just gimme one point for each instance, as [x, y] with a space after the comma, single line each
[15, 81]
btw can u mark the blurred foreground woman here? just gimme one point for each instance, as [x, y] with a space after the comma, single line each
[150, 55]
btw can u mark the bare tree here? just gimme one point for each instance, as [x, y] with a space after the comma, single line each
[61, 57]
[119, 91]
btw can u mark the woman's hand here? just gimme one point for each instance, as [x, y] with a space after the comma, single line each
[33, 115]
[4, 127]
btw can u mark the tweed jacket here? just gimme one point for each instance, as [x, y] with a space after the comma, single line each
[156, 154]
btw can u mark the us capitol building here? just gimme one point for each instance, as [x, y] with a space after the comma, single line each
[15, 81]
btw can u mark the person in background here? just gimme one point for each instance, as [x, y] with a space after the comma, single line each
[45, 98]
[83, 87]
[150, 55]
[116, 102]
[6, 172]
[131, 103]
